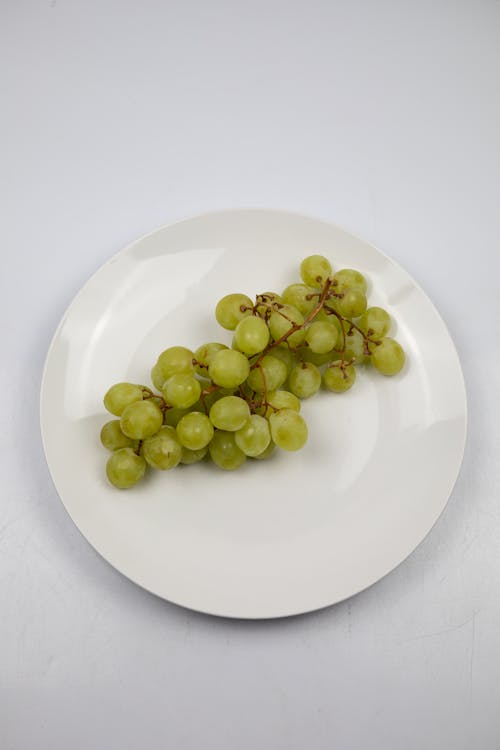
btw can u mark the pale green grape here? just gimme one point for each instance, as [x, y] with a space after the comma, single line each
[352, 304]
[296, 295]
[192, 457]
[267, 453]
[228, 368]
[375, 322]
[162, 451]
[224, 452]
[288, 429]
[229, 413]
[141, 419]
[281, 400]
[265, 301]
[321, 336]
[388, 357]
[113, 438]
[195, 431]
[349, 278]
[254, 437]
[339, 379]
[283, 320]
[181, 390]
[231, 309]
[173, 415]
[251, 335]
[176, 360]
[268, 375]
[204, 354]
[354, 346]
[125, 468]
[315, 269]
[283, 352]
[306, 355]
[304, 380]
[156, 377]
[120, 396]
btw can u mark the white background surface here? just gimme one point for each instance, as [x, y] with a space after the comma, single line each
[118, 117]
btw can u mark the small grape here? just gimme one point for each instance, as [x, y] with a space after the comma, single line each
[283, 320]
[281, 400]
[204, 354]
[388, 357]
[267, 453]
[306, 355]
[181, 390]
[229, 413]
[296, 295]
[228, 368]
[173, 415]
[288, 429]
[375, 322]
[251, 335]
[113, 438]
[348, 278]
[268, 375]
[315, 270]
[224, 452]
[352, 304]
[321, 336]
[195, 431]
[286, 356]
[254, 437]
[264, 301]
[177, 360]
[125, 468]
[157, 377]
[192, 457]
[162, 451]
[231, 309]
[141, 419]
[305, 380]
[339, 379]
[354, 345]
[121, 395]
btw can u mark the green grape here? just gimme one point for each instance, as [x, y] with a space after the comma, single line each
[224, 452]
[251, 335]
[339, 379]
[288, 429]
[375, 322]
[229, 413]
[283, 352]
[195, 431]
[306, 355]
[141, 419]
[181, 390]
[162, 451]
[352, 304]
[177, 360]
[279, 325]
[279, 400]
[157, 377]
[388, 357]
[254, 437]
[315, 269]
[173, 415]
[204, 354]
[268, 375]
[192, 457]
[321, 336]
[228, 368]
[304, 380]
[231, 309]
[113, 438]
[264, 301]
[348, 278]
[125, 468]
[120, 396]
[354, 346]
[296, 295]
[267, 453]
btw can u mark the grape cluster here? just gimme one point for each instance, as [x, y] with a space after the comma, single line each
[235, 402]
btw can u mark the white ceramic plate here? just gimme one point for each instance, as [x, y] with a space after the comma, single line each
[277, 537]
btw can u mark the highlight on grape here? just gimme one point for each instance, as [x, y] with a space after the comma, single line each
[229, 403]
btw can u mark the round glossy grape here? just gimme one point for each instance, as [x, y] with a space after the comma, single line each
[321, 336]
[354, 346]
[231, 309]
[283, 352]
[339, 380]
[281, 400]
[268, 375]
[315, 270]
[141, 419]
[388, 357]
[121, 395]
[176, 360]
[195, 431]
[228, 368]
[349, 278]
[224, 452]
[352, 304]
[157, 377]
[113, 438]
[204, 354]
[192, 457]
[288, 430]
[181, 391]
[162, 451]
[125, 468]
[229, 413]
[283, 320]
[297, 296]
[267, 453]
[306, 355]
[254, 437]
[304, 380]
[265, 301]
[251, 335]
[375, 322]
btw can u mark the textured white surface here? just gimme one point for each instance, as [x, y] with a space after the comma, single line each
[119, 116]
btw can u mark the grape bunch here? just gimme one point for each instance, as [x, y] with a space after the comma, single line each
[230, 403]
